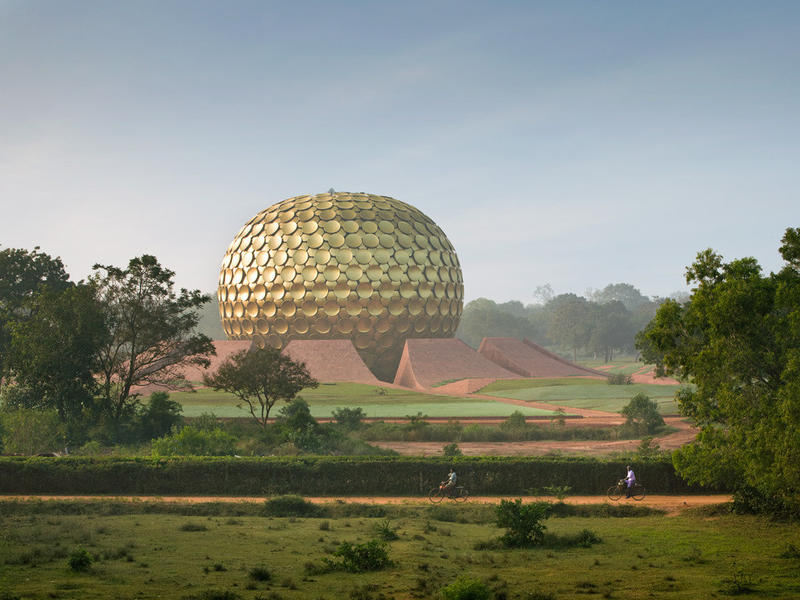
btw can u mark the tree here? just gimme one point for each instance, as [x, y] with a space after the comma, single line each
[738, 340]
[484, 318]
[260, 378]
[630, 296]
[570, 322]
[22, 274]
[53, 351]
[612, 328]
[642, 414]
[152, 333]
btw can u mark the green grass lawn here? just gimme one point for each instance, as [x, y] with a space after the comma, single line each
[374, 401]
[582, 393]
[181, 556]
[625, 365]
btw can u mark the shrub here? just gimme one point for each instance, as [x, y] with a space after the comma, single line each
[80, 559]
[452, 450]
[386, 532]
[29, 431]
[291, 506]
[260, 573]
[619, 379]
[522, 521]
[516, 420]
[213, 595]
[369, 556]
[465, 588]
[190, 441]
[349, 418]
[193, 527]
[159, 416]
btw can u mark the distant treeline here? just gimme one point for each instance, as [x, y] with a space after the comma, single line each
[602, 323]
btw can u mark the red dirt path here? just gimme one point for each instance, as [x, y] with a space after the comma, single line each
[671, 504]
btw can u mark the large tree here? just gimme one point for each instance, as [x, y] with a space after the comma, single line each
[612, 329]
[260, 378]
[571, 322]
[737, 339]
[152, 333]
[53, 352]
[23, 273]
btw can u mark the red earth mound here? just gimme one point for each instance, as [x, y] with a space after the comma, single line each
[427, 362]
[331, 360]
[531, 360]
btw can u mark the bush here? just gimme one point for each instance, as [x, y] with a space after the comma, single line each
[452, 450]
[349, 418]
[80, 559]
[522, 521]
[465, 588]
[260, 573]
[291, 506]
[619, 379]
[30, 431]
[369, 556]
[190, 441]
[159, 416]
[386, 532]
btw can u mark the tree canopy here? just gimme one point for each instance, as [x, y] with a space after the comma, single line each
[23, 274]
[737, 339]
[151, 332]
[260, 378]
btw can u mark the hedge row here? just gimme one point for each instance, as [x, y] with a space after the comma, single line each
[322, 476]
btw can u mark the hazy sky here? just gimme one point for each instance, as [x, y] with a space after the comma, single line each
[570, 143]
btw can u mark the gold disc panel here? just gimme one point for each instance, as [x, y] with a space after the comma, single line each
[337, 266]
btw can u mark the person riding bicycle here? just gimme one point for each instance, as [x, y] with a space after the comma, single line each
[630, 480]
[450, 483]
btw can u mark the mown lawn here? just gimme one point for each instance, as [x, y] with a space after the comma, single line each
[149, 555]
[376, 402]
[580, 392]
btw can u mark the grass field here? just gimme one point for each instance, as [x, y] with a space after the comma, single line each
[145, 555]
[582, 393]
[375, 402]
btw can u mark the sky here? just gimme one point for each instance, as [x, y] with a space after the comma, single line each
[568, 143]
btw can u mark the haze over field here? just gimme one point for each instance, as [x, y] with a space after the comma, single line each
[576, 144]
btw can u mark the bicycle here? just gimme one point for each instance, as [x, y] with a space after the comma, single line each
[615, 492]
[457, 494]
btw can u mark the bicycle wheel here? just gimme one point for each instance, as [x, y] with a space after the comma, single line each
[435, 495]
[461, 494]
[614, 493]
[637, 493]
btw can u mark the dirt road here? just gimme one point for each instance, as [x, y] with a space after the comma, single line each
[672, 504]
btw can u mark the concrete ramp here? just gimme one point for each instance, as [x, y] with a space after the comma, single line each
[331, 360]
[427, 362]
[527, 359]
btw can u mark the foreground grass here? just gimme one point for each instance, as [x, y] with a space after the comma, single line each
[579, 392]
[376, 402]
[189, 556]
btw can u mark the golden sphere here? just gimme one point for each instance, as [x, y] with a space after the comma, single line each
[341, 266]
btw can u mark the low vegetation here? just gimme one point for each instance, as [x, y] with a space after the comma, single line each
[242, 551]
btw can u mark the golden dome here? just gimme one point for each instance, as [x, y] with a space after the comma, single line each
[341, 266]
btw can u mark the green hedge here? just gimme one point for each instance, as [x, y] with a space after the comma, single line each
[322, 476]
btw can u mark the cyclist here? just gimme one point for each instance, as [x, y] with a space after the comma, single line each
[630, 480]
[450, 483]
